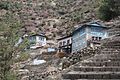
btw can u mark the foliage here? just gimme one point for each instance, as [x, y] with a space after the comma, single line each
[32, 43]
[109, 9]
[105, 13]
[9, 28]
[17, 5]
[7, 5]
[31, 33]
[11, 76]
[76, 16]
[25, 44]
[22, 57]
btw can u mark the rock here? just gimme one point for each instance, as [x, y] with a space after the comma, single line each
[25, 78]
[23, 74]
[38, 62]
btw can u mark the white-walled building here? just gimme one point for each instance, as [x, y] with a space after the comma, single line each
[65, 44]
[37, 40]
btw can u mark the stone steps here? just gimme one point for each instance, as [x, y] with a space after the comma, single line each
[106, 56]
[105, 59]
[91, 75]
[112, 55]
[90, 79]
[96, 69]
[113, 63]
[103, 66]
[109, 52]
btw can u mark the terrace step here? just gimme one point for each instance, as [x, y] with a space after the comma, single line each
[90, 79]
[109, 52]
[113, 63]
[91, 75]
[103, 66]
[104, 56]
[106, 59]
[96, 69]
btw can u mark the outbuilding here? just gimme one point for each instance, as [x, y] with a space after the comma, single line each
[37, 40]
[65, 44]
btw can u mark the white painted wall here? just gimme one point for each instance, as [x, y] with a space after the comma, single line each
[69, 38]
[40, 41]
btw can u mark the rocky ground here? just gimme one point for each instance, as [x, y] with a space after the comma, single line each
[53, 67]
[29, 70]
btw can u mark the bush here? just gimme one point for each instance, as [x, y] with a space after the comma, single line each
[22, 57]
[105, 13]
[7, 5]
[108, 10]
[11, 76]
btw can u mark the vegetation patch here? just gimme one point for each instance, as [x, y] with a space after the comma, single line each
[109, 9]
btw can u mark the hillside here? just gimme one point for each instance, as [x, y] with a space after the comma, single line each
[55, 17]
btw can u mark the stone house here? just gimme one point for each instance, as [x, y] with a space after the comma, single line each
[88, 35]
[65, 44]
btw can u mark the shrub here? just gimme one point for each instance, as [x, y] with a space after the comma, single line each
[105, 13]
[11, 76]
[7, 5]
[22, 57]
[109, 9]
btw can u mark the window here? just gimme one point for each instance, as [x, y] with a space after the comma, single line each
[100, 38]
[64, 43]
[41, 38]
[68, 41]
[33, 38]
[60, 44]
[96, 38]
[93, 38]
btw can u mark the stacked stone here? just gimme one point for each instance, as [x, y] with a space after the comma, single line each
[105, 65]
[80, 55]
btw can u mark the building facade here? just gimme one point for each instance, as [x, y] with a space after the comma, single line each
[65, 44]
[88, 35]
[37, 40]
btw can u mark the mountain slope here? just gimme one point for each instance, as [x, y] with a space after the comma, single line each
[55, 17]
